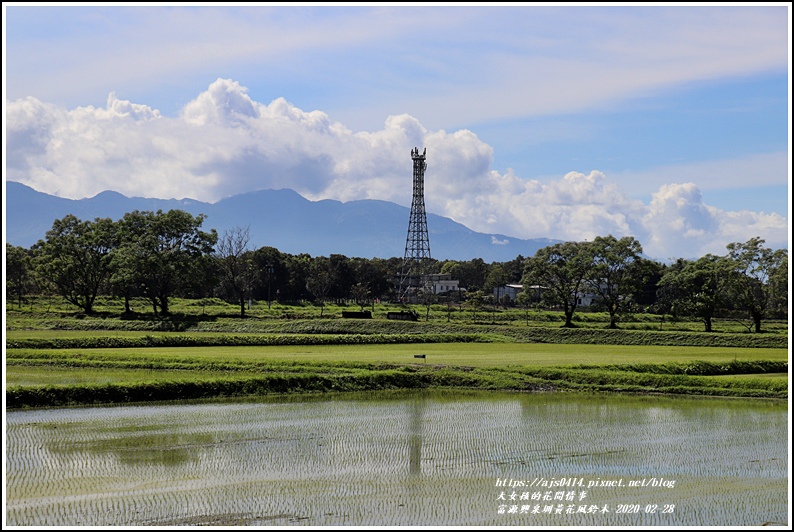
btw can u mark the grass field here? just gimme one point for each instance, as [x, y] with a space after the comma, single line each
[59, 358]
[456, 354]
[41, 377]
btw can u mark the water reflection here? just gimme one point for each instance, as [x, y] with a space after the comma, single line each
[415, 434]
[341, 460]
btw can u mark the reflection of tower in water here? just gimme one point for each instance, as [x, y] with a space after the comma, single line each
[415, 436]
[415, 485]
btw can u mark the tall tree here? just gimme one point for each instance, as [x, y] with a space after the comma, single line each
[342, 276]
[617, 273]
[236, 266]
[475, 301]
[275, 278]
[561, 270]
[497, 278]
[755, 271]
[696, 288]
[75, 257]
[319, 281]
[168, 253]
[361, 295]
[514, 269]
[297, 272]
[652, 272]
[779, 285]
[19, 275]
[125, 279]
[378, 274]
[471, 273]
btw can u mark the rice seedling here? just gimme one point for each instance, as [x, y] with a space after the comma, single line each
[401, 458]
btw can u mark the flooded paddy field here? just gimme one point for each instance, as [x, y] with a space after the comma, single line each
[403, 458]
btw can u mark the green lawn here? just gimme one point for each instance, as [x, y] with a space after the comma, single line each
[481, 355]
[456, 354]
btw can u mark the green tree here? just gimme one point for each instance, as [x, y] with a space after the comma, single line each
[361, 295]
[561, 270]
[529, 297]
[475, 301]
[125, 276]
[755, 277]
[696, 288]
[319, 281]
[167, 253]
[373, 274]
[514, 269]
[342, 276]
[75, 258]
[297, 271]
[490, 299]
[779, 286]
[471, 274]
[237, 272]
[496, 279]
[427, 296]
[616, 274]
[652, 272]
[19, 274]
[274, 276]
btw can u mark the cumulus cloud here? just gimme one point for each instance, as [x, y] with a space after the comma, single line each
[224, 143]
[677, 219]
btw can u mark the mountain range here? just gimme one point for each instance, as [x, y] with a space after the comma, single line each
[281, 218]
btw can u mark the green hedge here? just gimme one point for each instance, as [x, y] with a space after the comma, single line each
[33, 397]
[232, 340]
[664, 378]
[699, 367]
[319, 333]
[628, 337]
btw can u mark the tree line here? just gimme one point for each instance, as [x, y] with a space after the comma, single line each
[162, 255]
[749, 278]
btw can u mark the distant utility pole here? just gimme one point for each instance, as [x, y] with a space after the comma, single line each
[417, 243]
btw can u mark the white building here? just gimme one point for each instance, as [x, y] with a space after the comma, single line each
[585, 300]
[442, 282]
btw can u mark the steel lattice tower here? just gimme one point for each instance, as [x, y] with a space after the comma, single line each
[417, 243]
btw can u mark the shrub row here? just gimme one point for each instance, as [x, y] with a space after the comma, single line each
[537, 334]
[232, 340]
[698, 367]
[330, 378]
[680, 390]
[34, 397]
[629, 337]
[654, 381]
[82, 360]
[319, 332]
[514, 332]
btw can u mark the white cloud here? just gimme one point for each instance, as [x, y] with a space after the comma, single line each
[224, 102]
[225, 143]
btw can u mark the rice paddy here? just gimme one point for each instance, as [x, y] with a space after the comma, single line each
[436, 440]
[422, 457]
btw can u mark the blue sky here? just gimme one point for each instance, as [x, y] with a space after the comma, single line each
[669, 123]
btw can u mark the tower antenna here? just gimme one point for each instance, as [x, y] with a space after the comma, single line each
[417, 243]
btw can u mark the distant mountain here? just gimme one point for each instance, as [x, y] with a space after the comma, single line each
[282, 219]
